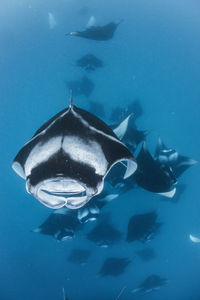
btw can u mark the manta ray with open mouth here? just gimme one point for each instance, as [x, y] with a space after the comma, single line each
[66, 161]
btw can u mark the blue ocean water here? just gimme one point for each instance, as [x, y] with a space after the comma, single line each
[154, 57]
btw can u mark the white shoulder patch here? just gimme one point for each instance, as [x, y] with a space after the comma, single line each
[18, 169]
[41, 153]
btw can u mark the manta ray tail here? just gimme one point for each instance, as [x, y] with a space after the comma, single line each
[70, 99]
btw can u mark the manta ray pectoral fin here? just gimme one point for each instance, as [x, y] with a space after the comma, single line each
[130, 168]
[194, 239]
[184, 161]
[193, 162]
[169, 194]
[71, 33]
[136, 290]
[37, 229]
[121, 129]
[18, 169]
[91, 22]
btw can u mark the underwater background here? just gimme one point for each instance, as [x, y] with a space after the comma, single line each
[154, 57]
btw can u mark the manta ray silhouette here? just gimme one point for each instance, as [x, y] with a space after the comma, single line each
[98, 33]
[66, 161]
[89, 62]
[151, 283]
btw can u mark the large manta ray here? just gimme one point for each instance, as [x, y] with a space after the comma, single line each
[98, 33]
[66, 161]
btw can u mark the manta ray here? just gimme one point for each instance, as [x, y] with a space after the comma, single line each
[89, 62]
[62, 224]
[79, 256]
[66, 161]
[98, 33]
[151, 283]
[104, 234]
[83, 86]
[143, 227]
[114, 266]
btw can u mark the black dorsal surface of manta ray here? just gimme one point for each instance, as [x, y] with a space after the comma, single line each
[173, 159]
[104, 234]
[79, 256]
[153, 176]
[98, 33]
[151, 283]
[114, 266]
[83, 86]
[68, 158]
[61, 224]
[89, 62]
[142, 227]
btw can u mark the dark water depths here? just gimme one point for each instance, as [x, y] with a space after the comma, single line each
[154, 56]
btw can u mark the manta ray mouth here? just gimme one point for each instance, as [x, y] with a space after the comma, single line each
[63, 194]
[58, 192]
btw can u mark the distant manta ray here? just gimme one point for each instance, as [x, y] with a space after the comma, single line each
[89, 62]
[83, 86]
[150, 284]
[98, 33]
[66, 161]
